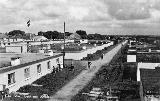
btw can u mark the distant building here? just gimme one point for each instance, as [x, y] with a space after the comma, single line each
[140, 52]
[15, 39]
[74, 36]
[38, 38]
[3, 37]
[16, 48]
[131, 54]
[17, 70]
[3, 40]
[84, 41]
[147, 58]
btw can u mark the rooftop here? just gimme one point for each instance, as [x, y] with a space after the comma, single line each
[150, 80]
[145, 66]
[3, 36]
[148, 57]
[5, 58]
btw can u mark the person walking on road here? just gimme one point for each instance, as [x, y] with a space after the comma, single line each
[102, 56]
[89, 64]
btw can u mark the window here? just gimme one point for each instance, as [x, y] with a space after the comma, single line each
[39, 68]
[27, 72]
[49, 64]
[11, 78]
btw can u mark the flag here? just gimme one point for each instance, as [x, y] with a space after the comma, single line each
[28, 23]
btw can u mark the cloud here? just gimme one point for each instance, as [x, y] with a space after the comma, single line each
[155, 14]
[90, 15]
[78, 12]
[128, 9]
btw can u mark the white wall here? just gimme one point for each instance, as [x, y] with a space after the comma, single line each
[83, 41]
[17, 49]
[11, 49]
[131, 58]
[24, 48]
[38, 42]
[20, 39]
[145, 66]
[19, 74]
[81, 54]
[151, 98]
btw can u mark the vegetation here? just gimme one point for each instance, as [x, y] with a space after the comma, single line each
[70, 47]
[16, 33]
[60, 35]
[51, 82]
[116, 76]
[97, 54]
[82, 33]
[52, 34]
[154, 58]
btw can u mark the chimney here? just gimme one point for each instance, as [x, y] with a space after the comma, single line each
[15, 61]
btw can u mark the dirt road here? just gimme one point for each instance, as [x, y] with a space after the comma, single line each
[74, 86]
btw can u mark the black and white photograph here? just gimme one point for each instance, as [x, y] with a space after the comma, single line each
[79, 50]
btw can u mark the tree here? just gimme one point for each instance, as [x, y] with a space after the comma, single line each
[60, 36]
[68, 33]
[90, 37]
[51, 34]
[16, 33]
[41, 33]
[82, 33]
[97, 36]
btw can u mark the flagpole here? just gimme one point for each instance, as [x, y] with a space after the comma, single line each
[28, 46]
[28, 24]
[64, 45]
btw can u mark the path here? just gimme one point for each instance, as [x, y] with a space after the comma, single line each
[74, 86]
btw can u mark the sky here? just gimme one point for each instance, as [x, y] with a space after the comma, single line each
[93, 16]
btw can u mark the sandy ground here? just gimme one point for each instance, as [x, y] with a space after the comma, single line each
[74, 86]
